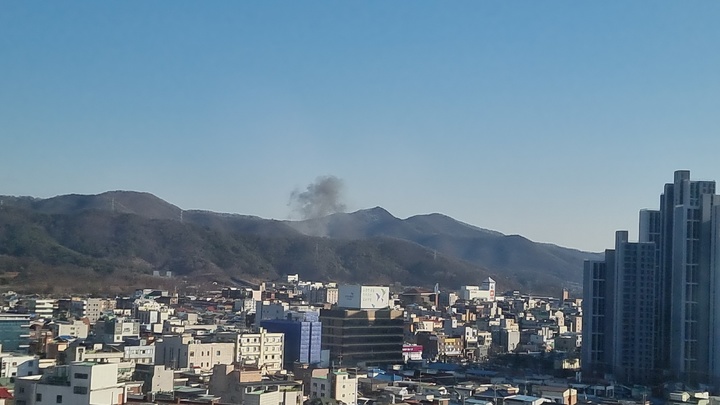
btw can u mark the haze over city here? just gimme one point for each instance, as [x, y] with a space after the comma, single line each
[554, 120]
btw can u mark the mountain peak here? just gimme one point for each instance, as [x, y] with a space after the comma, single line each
[376, 214]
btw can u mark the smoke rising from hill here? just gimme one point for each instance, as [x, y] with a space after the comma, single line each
[321, 198]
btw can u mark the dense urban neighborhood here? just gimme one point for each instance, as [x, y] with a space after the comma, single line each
[293, 341]
[296, 341]
[359, 203]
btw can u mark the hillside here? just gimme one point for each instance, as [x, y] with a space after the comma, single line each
[115, 240]
[507, 254]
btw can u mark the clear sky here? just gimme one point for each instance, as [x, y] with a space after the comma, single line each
[556, 120]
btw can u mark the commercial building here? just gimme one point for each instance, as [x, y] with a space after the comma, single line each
[363, 297]
[362, 330]
[303, 339]
[483, 292]
[14, 332]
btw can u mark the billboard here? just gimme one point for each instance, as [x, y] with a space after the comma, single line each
[363, 297]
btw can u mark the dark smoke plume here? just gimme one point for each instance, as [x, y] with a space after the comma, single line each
[321, 198]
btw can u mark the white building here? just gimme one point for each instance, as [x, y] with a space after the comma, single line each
[14, 365]
[43, 308]
[76, 384]
[336, 384]
[263, 350]
[184, 352]
[76, 329]
[483, 292]
[143, 354]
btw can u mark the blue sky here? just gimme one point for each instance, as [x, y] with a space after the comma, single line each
[554, 120]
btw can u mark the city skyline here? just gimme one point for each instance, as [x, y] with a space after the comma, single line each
[552, 121]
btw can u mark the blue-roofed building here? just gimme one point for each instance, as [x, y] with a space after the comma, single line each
[303, 339]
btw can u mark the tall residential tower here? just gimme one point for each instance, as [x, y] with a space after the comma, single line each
[652, 307]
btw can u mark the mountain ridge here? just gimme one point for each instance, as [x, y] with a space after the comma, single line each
[370, 245]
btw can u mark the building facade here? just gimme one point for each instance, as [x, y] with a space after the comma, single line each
[652, 308]
[77, 384]
[340, 385]
[370, 337]
[303, 340]
[14, 332]
[238, 385]
[185, 352]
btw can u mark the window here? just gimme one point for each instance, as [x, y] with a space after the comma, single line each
[79, 390]
[81, 376]
[58, 399]
[38, 397]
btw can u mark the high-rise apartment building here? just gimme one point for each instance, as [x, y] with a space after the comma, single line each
[652, 307]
